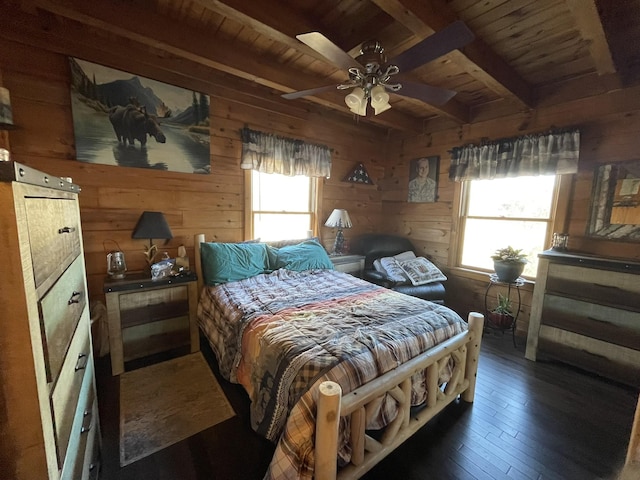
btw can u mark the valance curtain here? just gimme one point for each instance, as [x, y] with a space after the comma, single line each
[269, 153]
[543, 154]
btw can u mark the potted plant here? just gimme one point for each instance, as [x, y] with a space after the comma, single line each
[508, 263]
[502, 315]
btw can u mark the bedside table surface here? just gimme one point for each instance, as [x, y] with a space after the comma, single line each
[136, 280]
[349, 258]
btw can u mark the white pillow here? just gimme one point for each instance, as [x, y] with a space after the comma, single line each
[420, 271]
[389, 266]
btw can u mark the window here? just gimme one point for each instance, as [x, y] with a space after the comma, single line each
[509, 211]
[281, 207]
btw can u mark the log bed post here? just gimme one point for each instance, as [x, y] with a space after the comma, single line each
[327, 422]
[476, 324]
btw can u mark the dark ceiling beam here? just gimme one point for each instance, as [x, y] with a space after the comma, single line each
[156, 31]
[424, 18]
[284, 24]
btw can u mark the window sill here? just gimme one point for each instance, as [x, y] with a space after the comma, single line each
[483, 276]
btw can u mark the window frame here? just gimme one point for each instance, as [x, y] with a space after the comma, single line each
[557, 222]
[315, 193]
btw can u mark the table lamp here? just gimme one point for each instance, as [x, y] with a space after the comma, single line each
[152, 225]
[339, 219]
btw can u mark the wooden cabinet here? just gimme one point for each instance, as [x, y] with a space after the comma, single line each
[147, 316]
[586, 312]
[49, 424]
[353, 264]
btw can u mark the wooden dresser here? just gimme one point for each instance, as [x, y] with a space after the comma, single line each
[586, 312]
[49, 422]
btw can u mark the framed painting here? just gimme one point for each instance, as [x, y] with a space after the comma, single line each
[132, 121]
[423, 179]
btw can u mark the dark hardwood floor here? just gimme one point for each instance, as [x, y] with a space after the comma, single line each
[529, 421]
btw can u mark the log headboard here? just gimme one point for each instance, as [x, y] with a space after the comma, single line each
[197, 240]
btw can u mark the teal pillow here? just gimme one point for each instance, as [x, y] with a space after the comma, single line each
[229, 262]
[307, 255]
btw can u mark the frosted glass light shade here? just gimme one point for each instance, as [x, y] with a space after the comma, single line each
[357, 102]
[379, 99]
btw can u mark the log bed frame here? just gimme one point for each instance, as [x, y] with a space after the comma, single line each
[359, 404]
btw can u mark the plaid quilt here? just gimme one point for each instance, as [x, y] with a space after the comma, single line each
[280, 335]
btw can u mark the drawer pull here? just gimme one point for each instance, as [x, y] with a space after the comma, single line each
[66, 230]
[600, 285]
[604, 322]
[86, 421]
[75, 298]
[81, 364]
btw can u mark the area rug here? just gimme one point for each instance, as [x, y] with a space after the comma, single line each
[167, 402]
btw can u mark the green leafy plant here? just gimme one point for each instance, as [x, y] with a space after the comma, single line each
[510, 254]
[504, 305]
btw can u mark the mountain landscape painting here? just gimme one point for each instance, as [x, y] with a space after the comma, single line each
[132, 121]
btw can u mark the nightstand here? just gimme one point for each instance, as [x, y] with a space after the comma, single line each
[353, 264]
[147, 316]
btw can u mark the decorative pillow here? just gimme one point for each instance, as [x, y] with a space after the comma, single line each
[421, 271]
[389, 266]
[307, 255]
[229, 262]
[286, 243]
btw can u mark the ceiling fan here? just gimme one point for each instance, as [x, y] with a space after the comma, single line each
[371, 75]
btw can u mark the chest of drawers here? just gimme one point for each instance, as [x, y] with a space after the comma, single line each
[50, 426]
[586, 312]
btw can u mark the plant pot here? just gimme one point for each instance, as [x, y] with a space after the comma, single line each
[508, 272]
[500, 320]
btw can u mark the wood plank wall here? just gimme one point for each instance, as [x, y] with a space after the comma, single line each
[113, 198]
[609, 124]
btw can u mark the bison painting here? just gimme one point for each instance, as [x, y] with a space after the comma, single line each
[133, 123]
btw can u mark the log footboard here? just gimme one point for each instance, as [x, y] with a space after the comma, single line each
[363, 402]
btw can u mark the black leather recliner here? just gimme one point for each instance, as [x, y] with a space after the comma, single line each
[378, 245]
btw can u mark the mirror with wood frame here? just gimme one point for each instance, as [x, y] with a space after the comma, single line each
[615, 202]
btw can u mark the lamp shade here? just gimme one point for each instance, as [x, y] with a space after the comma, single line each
[339, 218]
[152, 225]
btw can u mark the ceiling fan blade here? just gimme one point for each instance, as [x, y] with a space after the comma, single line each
[329, 50]
[426, 93]
[450, 38]
[311, 91]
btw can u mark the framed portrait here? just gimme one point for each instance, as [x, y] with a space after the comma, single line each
[127, 120]
[423, 179]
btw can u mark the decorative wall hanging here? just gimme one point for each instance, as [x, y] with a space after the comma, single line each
[132, 121]
[358, 175]
[423, 179]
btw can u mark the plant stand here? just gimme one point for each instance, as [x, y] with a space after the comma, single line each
[510, 286]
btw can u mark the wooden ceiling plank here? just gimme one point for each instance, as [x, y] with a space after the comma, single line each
[588, 20]
[281, 24]
[424, 17]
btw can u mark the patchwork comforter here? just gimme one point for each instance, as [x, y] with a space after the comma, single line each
[281, 334]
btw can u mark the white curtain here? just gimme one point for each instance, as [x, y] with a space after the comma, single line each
[543, 154]
[269, 153]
